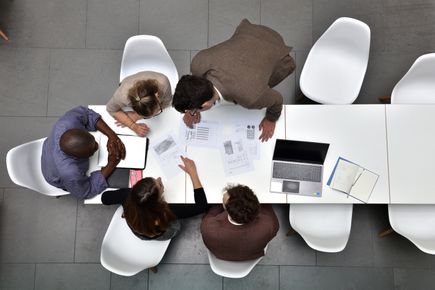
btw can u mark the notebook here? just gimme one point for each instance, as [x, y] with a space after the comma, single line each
[135, 151]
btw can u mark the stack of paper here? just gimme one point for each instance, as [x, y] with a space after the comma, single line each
[353, 179]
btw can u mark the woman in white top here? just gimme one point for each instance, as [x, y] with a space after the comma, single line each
[147, 93]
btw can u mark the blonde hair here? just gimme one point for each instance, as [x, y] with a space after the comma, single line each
[143, 97]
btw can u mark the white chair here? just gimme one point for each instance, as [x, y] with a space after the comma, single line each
[416, 222]
[232, 269]
[418, 85]
[335, 67]
[147, 53]
[324, 227]
[125, 254]
[24, 167]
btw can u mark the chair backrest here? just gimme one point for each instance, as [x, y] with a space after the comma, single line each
[336, 65]
[24, 168]
[324, 227]
[147, 53]
[416, 223]
[232, 269]
[418, 85]
[125, 254]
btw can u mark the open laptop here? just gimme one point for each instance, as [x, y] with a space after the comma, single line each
[297, 167]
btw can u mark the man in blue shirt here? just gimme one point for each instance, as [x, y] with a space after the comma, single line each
[66, 152]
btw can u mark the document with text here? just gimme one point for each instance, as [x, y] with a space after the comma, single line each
[206, 133]
[235, 156]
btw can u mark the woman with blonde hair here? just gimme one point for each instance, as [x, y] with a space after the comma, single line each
[147, 213]
[147, 93]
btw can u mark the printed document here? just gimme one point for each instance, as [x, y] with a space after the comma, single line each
[235, 156]
[167, 152]
[206, 133]
[250, 133]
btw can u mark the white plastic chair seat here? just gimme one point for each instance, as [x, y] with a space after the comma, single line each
[336, 65]
[24, 168]
[416, 223]
[125, 254]
[232, 269]
[324, 227]
[418, 85]
[147, 53]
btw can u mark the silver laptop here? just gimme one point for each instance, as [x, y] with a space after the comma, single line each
[297, 167]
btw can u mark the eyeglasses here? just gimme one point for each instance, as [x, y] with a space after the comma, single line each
[192, 112]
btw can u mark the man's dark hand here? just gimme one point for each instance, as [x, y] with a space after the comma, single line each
[116, 147]
[267, 129]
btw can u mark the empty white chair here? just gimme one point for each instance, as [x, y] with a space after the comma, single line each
[147, 53]
[418, 85]
[24, 167]
[232, 269]
[335, 67]
[416, 222]
[324, 227]
[125, 254]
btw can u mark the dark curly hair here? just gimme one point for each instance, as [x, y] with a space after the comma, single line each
[191, 92]
[242, 205]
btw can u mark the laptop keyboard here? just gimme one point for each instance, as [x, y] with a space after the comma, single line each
[297, 171]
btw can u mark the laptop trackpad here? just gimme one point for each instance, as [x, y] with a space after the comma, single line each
[290, 186]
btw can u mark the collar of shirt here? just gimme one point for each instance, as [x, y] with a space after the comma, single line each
[233, 222]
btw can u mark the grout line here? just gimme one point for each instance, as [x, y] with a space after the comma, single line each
[48, 82]
[34, 277]
[138, 19]
[388, 162]
[259, 11]
[208, 23]
[75, 231]
[86, 22]
[148, 278]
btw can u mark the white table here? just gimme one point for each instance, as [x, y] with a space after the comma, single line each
[355, 132]
[411, 153]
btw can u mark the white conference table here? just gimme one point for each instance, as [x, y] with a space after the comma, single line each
[386, 139]
[411, 153]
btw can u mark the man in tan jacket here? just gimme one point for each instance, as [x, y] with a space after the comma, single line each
[241, 70]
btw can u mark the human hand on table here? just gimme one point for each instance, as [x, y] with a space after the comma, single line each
[190, 119]
[116, 147]
[267, 129]
[140, 129]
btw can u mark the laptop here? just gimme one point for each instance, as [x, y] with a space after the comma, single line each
[297, 167]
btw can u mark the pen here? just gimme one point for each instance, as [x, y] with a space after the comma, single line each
[356, 180]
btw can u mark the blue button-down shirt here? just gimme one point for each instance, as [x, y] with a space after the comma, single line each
[67, 172]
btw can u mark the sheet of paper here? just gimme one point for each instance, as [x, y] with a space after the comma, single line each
[363, 187]
[235, 156]
[206, 133]
[135, 151]
[250, 133]
[167, 151]
[345, 175]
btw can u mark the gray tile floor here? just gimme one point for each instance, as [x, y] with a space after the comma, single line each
[67, 53]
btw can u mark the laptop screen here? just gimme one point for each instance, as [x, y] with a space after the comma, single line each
[300, 151]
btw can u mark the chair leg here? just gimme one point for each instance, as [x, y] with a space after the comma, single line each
[3, 35]
[385, 100]
[290, 232]
[154, 269]
[386, 232]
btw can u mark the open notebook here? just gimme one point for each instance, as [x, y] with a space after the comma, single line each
[135, 151]
[353, 179]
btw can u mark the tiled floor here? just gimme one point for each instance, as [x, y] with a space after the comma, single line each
[67, 53]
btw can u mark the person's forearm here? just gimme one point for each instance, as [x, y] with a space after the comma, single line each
[195, 181]
[104, 128]
[108, 169]
[124, 119]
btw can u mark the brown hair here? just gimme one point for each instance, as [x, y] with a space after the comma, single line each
[145, 210]
[143, 97]
[242, 205]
